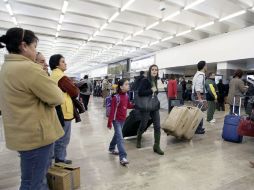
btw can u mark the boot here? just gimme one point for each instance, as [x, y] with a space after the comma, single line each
[139, 137]
[156, 147]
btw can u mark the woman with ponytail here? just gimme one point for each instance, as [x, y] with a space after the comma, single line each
[27, 100]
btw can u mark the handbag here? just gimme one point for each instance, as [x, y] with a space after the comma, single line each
[147, 103]
[246, 128]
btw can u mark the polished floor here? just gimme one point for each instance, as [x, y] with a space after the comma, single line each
[205, 163]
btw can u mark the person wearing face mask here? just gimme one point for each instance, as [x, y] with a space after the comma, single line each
[58, 66]
[148, 87]
[27, 99]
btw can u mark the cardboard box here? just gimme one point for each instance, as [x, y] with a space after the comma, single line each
[75, 173]
[59, 179]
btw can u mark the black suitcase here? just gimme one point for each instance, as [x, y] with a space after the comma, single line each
[132, 123]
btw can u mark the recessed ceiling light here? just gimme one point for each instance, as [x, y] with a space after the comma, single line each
[183, 33]
[14, 20]
[8, 7]
[113, 17]
[154, 43]
[195, 3]
[127, 38]
[152, 25]
[233, 15]
[61, 19]
[138, 32]
[205, 25]
[127, 5]
[171, 16]
[104, 26]
[167, 38]
[65, 5]
[58, 27]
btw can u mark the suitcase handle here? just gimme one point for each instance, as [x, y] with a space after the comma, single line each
[240, 104]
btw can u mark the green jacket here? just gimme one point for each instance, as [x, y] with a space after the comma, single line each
[211, 89]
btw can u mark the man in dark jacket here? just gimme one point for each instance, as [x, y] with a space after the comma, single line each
[221, 96]
[138, 80]
[211, 96]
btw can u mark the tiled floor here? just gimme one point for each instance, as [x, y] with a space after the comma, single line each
[205, 163]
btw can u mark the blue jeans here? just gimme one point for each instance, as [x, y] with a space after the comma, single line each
[118, 140]
[34, 167]
[62, 143]
[236, 110]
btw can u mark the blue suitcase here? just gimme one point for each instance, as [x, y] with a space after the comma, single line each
[230, 128]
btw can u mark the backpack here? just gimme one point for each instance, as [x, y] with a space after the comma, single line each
[109, 103]
[84, 87]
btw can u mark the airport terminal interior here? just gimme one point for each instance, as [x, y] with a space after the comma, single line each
[127, 94]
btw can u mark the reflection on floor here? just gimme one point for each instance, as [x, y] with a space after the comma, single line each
[205, 163]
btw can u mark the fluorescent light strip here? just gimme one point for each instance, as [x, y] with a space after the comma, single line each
[65, 5]
[61, 19]
[253, 8]
[104, 26]
[113, 17]
[138, 33]
[195, 3]
[154, 43]
[91, 38]
[205, 25]
[233, 15]
[171, 16]
[57, 34]
[8, 7]
[127, 5]
[127, 38]
[152, 25]
[58, 27]
[96, 33]
[183, 33]
[14, 20]
[167, 38]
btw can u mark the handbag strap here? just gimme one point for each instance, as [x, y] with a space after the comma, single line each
[117, 104]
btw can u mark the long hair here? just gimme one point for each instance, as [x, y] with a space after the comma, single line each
[120, 83]
[149, 75]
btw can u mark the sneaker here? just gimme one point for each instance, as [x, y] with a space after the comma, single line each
[212, 121]
[114, 152]
[63, 161]
[124, 162]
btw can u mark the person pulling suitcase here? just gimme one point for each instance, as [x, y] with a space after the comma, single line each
[120, 104]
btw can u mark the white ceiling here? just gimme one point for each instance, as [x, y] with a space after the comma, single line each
[90, 36]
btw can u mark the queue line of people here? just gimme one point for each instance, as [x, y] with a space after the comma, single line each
[48, 105]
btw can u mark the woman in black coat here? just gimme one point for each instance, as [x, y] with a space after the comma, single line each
[148, 87]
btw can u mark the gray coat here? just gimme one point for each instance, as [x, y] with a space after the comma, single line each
[89, 84]
[236, 89]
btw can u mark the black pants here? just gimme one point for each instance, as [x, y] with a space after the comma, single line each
[155, 115]
[85, 99]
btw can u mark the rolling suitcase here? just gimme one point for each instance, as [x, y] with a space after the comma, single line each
[231, 124]
[132, 123]
[195, 117]
[176, 121]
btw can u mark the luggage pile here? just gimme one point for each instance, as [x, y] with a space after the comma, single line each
[182, 122]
